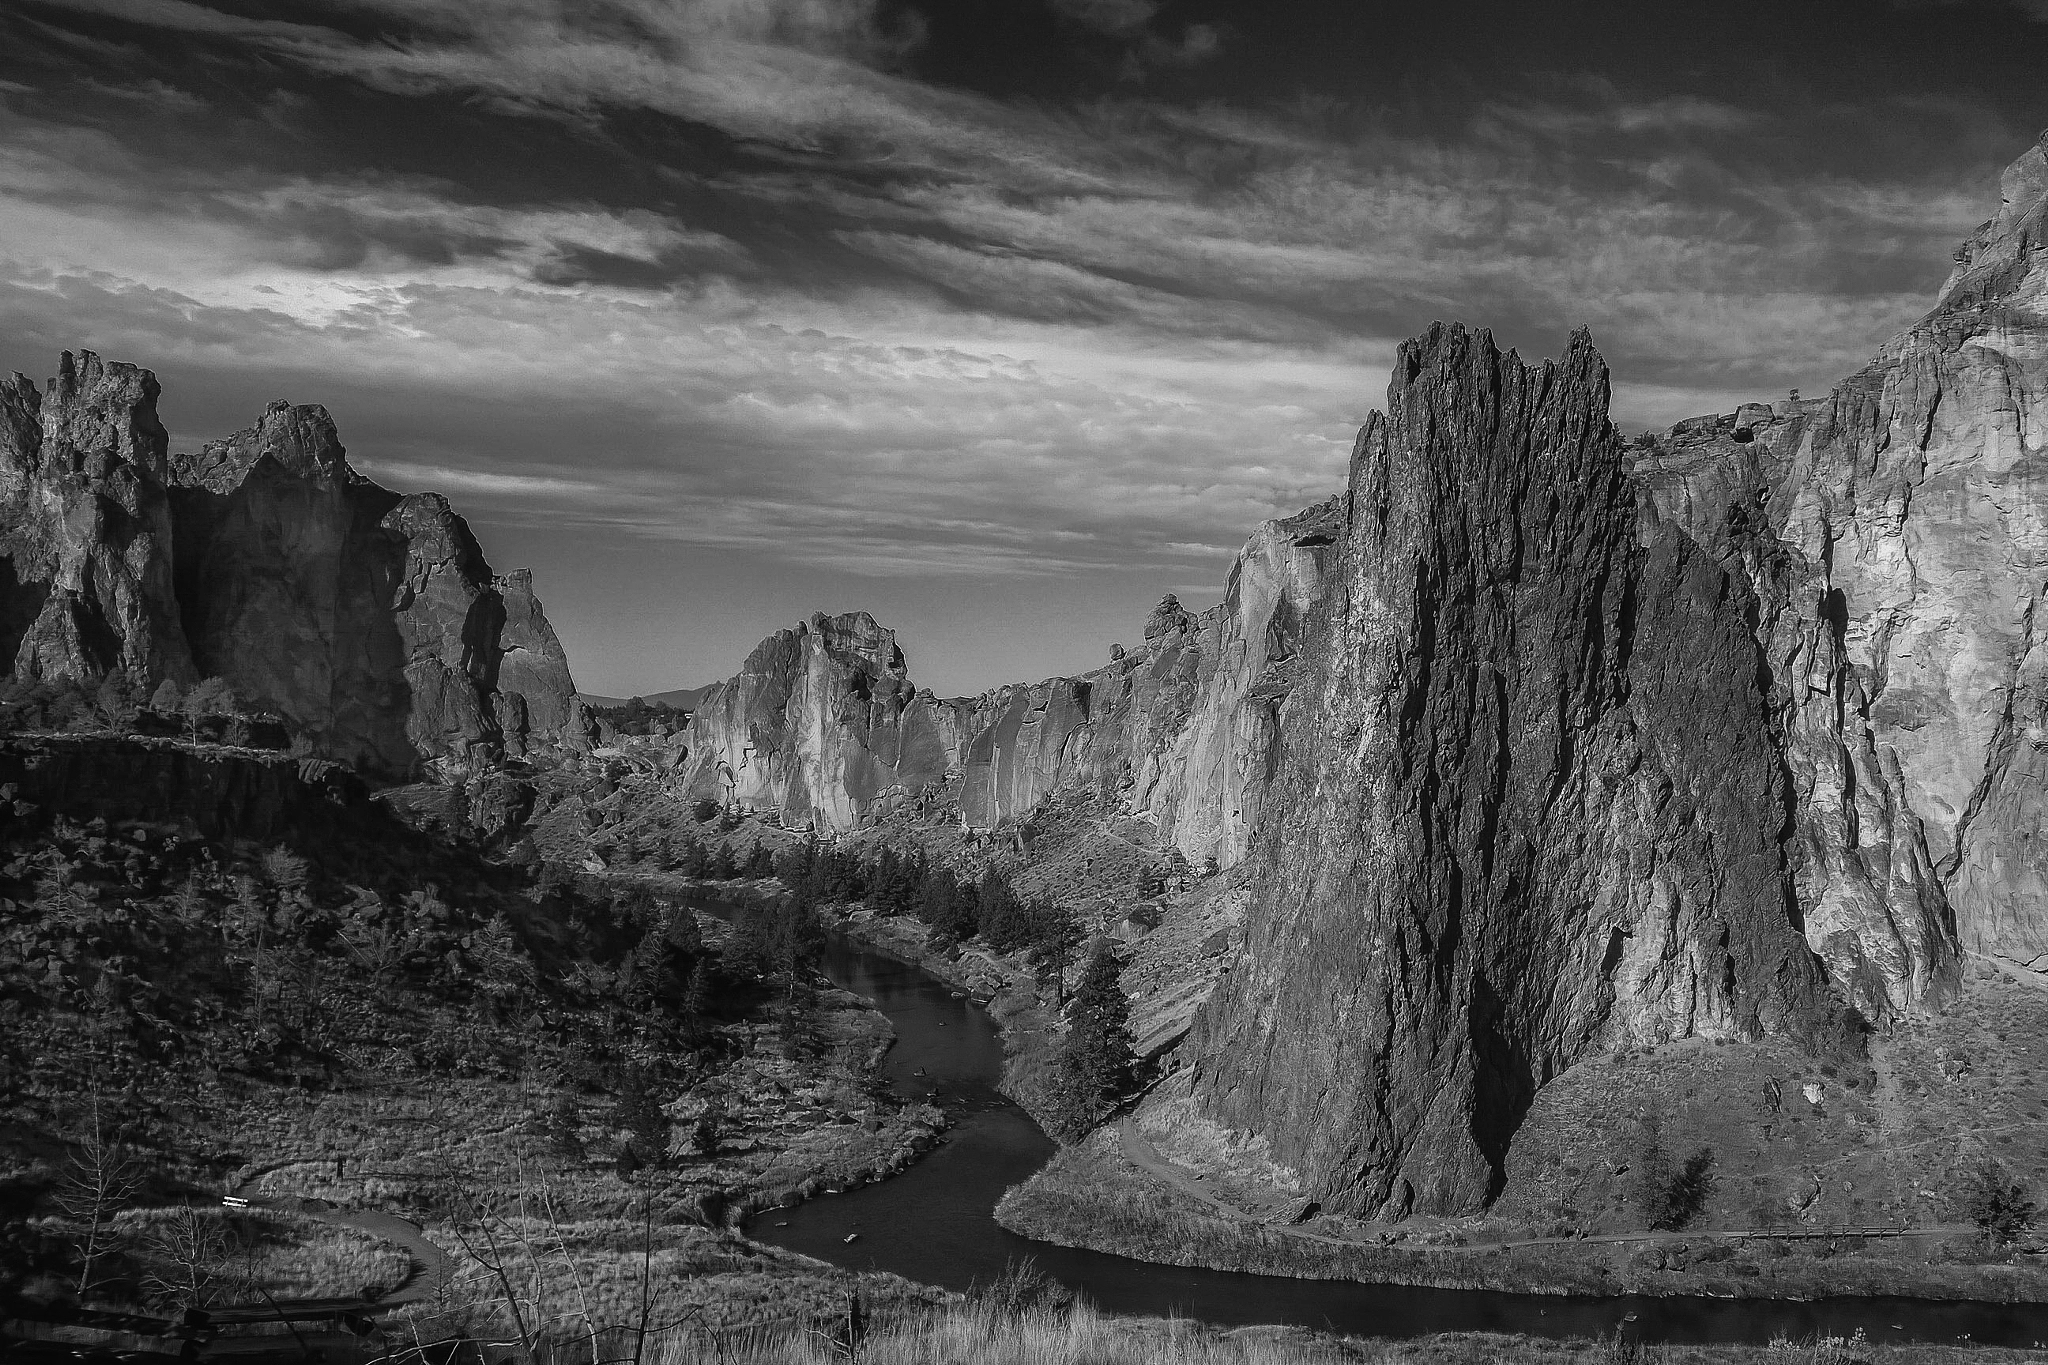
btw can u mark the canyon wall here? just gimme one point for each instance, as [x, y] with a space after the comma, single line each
[1529, 802]
[368, 620]
[1767, 764]
[823, 725]
[1897, 530]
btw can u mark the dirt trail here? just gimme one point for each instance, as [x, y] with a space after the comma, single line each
[431, 1267]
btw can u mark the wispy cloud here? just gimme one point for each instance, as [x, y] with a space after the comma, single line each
[871, 324]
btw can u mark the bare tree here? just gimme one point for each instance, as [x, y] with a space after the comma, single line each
[98, 1179]
[189, 1259]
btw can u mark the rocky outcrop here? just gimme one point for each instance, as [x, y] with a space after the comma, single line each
[1182, 728]
[85, 527]
[822, 724]
[1529, 801]
[821, 727]
[1897, 533]
[369, 620]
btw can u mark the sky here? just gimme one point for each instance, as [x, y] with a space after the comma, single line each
[998, 319]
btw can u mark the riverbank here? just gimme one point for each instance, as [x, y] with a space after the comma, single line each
[1003, 986]
[1096, 1197]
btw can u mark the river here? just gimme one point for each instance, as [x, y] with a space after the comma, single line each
[935, 1223]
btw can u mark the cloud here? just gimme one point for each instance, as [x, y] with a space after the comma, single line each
[841, 318]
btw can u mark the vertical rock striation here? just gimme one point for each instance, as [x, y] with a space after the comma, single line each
[1529, 799]
[820, 725]
[85, 528]
[1181, 728]
[1897, 532]
[823, 725]
[369, 620]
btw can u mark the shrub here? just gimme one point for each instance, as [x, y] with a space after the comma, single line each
[1669, 1199]
[1998, 1204]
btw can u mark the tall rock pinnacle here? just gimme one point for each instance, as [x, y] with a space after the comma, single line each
[1529, 804]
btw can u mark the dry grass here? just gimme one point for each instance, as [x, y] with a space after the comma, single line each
[1968, 1084]
[1781, 1160]
[282, 1255]
[975, 1333]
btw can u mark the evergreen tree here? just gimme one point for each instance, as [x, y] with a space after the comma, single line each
[793, 866]
[638, 1114]
[723, 866]
[1095, 1062]
[1058, 938]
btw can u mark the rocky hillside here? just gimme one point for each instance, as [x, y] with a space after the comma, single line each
[369, 620]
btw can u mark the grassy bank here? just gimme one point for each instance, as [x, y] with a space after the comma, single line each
[1091, 1197]
[977, 1332]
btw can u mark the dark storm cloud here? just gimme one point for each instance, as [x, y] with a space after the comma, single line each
[822, 280]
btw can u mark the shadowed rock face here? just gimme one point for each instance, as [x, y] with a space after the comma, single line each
[1897, 534]
[1528, 802]
[370, 621]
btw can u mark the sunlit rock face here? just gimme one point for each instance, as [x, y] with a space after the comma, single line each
[1181, 727]
[821, 726]
[1897, 532]
[369, 620]
[1528, 799]
[85, 528]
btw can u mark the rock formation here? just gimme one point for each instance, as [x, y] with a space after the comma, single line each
[1529, 803]
[85, 527]
[1182, 728]
[1898, 535]
[820, 724]
[823, 725]
[369, 620]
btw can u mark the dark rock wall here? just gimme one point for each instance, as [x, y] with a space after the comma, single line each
[370, 621]
[218, 793]
[1529, 802]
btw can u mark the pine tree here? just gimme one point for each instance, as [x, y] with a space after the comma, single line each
[638, 1112]
[1095, 1062]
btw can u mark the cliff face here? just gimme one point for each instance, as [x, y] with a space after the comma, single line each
[1898, 534]
[370, 621]
[1529, 800]
[819, 726]
[1181, 728]
[85, 527]
[823, 724]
